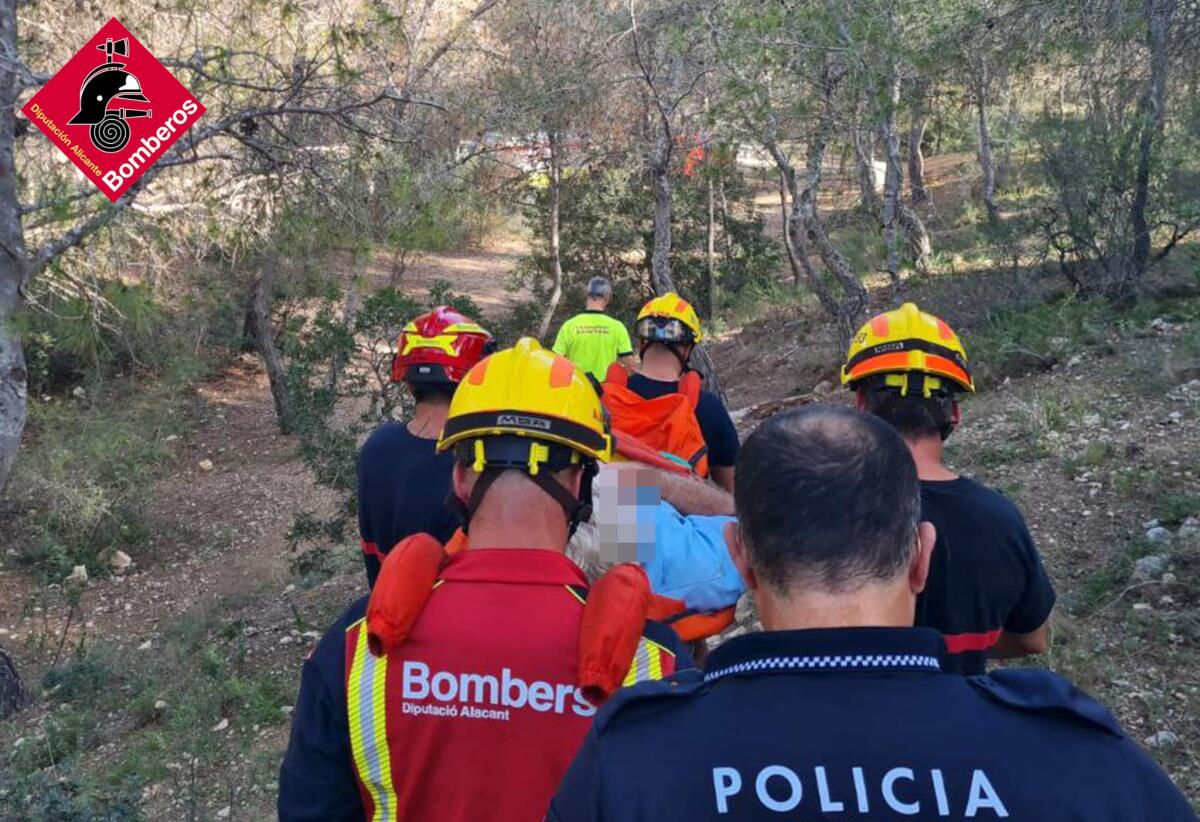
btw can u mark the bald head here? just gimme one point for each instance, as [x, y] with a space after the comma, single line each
[827, 497]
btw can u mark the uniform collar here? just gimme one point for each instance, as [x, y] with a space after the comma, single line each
[827, 649]
[527, 566]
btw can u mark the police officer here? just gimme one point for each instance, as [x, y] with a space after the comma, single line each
[838, 710]
[988, 592]
[475, 707]
[403, 482]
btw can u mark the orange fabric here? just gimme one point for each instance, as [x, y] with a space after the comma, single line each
[611, 628]
[457, 543]
[405, 582]
[693, 626]
[666, 423]
[634, 450]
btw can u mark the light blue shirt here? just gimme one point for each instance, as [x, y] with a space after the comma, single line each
[691, 561]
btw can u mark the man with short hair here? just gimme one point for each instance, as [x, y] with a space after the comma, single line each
[402, 482]
[840, 710]
[461, 692]
[988, 591]
[593, 340]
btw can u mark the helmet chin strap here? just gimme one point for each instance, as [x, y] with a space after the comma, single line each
[578, 509]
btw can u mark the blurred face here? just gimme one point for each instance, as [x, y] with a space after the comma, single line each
[626, 509]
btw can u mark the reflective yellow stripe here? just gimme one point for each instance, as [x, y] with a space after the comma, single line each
[366, 699]
[647, 663]
[442, 342]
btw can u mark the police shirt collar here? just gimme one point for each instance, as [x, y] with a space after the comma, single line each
[841, 650]
[522, 566]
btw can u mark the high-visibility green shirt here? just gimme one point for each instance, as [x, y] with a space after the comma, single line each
[593, 341]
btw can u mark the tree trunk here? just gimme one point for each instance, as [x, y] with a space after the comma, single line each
[893, 182]
[556, 273]
[349, 312]
[916, 135]
[14, 264]
[710, 255]
[263, 297]
[660, 258]
[793, 262]
[794, 240]
[726, 240]
[1158, 14]
[864, 154]
[13, 696]
[1011, 120]
[986, 162]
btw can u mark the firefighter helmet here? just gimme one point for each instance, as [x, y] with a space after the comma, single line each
[439, 348]
[669, 319]
[908, 344]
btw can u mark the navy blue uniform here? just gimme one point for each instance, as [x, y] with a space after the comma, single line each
[720, 435]
[402, 489]
[985, 575]
[858, 723]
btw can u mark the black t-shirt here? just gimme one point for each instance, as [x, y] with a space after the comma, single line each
[719, 433]
[402, 490]
[985, 576]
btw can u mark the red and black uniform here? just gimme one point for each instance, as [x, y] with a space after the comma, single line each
[475, 716]
[985, 576]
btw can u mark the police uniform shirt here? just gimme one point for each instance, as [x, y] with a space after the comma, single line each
[859, 723]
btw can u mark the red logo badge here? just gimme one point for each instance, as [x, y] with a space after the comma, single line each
[113, 109]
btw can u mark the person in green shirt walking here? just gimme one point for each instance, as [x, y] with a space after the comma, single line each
[593, 340]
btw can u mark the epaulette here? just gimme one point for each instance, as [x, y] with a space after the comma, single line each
[652, 694]
[1044, 693]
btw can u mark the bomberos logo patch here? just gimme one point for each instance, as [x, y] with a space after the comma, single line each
[113, 109]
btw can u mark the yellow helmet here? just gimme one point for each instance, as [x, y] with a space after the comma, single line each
[669, 319]
[903, 344]
[533, 400]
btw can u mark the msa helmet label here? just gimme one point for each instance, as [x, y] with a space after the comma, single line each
[523, 421]
[113, 110]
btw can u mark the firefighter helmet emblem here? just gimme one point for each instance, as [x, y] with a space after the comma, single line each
[107, 82]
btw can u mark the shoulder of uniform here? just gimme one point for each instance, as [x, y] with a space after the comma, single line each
[663, 636]
[1042, 692]
[637, 699]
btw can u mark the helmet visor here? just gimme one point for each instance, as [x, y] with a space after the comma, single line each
[664, 330]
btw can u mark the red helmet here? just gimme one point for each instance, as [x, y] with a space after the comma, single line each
[439, 347]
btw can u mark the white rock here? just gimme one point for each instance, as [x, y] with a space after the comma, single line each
[1168, 578]
[286, 710]
[220, 726]
[206, 465]
[285, 640]
[1162, 739]
[1158, 534]
[1141, 606]
[1091, 420]
[223, 813]
[145, 646]
[79, 392]
[78, 575]
[1150, 567]
[120, 561]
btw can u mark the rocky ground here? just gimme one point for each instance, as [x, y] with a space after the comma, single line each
[164, 689]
